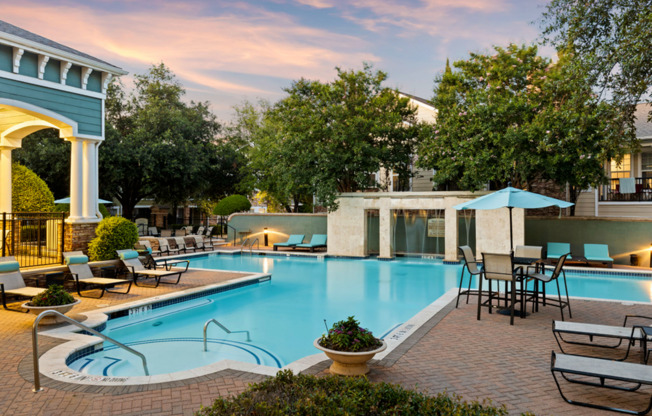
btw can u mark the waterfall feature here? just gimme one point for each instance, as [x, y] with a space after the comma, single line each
[417, 232]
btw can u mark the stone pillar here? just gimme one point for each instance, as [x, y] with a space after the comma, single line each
[5, 178]
[78, 235]
[76, 180]
[89, 159]
[451, 225]
[386, 232]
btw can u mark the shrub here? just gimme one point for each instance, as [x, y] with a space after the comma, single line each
[53, 296]
[113, 233]
[309, 395]
[349, 336]
[66, 208]
[29, 193]
[231, 204]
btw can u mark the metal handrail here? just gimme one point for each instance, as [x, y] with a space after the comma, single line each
[243, 245]
[37, 377]
[251, 246]
[216, 322]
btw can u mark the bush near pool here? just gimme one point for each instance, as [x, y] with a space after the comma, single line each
[301, 394]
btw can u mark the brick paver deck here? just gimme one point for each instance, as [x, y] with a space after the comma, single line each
[487, 359]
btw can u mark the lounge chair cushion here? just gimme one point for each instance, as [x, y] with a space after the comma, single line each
[76, 260]
[597, 252]
[127, 255]
[317, 240]
[293, 240]
[9, 266]
[556, 250]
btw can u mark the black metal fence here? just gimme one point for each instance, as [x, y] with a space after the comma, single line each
[640, 191]
[34, 238]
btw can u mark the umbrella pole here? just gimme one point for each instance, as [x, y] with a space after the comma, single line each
[511, 232]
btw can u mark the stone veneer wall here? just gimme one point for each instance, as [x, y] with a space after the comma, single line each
[78, 235]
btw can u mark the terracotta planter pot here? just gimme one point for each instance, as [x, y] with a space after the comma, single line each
[349, 363]
[49, 320]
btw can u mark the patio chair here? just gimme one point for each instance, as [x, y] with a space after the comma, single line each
[181, 232]
[166, 233]
[181, 244]
[555, 250]
[200, 230]
[209, 232]
[316, 241]
[538, 275]
[632, 334]
[470, 265]
[529, 252]
[500, 267]
[148, 246]
[598, 253]
[164, 247]
[623, 373]
[12, 283]
[293, 240]
[77, 263]
[132, 263]
[153, 231]
[201, 244]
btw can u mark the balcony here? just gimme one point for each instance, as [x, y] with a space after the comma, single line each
[642, 193]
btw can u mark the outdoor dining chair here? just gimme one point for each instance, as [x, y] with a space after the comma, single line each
[500, 267]
[470, 265]
[540, 276]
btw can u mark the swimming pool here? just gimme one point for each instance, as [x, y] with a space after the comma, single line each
[285, 314]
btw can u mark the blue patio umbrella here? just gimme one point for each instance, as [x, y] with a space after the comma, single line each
[513, 198]
[67, 201]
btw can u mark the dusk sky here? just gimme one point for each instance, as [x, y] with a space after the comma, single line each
[227, 51]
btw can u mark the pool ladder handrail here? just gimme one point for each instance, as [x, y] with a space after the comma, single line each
[37, 378]
[227, 330]
[251, 246]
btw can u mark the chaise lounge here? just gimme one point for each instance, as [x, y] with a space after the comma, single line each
[555, 250]
[316, 241]
[77, 263]
[137, 269]
[12, 283]
[598, 253]
[293, 240]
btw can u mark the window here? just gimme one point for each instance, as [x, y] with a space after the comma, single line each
[622, 169]
[646, 162]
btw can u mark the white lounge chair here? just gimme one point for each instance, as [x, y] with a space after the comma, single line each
[77, 263]
[148, 247]
[164, 247]
[137, 269]
[12, 283]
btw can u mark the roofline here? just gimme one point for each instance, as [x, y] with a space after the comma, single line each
[418, 99]
[32, 46]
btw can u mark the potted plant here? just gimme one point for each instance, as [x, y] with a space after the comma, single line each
[54, 298]
[350, 347]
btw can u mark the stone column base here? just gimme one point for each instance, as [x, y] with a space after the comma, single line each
[78, 235]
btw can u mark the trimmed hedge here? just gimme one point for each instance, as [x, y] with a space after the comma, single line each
[29, 193]
[332, 395]
[113, 233]
[231, 204]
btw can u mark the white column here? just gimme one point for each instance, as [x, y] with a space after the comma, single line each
[76, 180]
[386, 232]
[5, 179]
[451, 225]
[89, 205]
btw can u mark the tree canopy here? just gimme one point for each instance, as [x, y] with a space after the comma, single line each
[231, 204]
[516, 117]
[329, 137]
[609, 41]
[159, 147]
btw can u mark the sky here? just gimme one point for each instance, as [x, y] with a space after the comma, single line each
[226, 52]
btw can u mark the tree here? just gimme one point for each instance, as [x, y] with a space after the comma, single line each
[231, 204]
[159, 147]
[609, 41]
[29, 193]
[327, 138]
[48, 155]
[516, 117]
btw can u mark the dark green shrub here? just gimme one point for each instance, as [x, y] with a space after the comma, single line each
[105, 212]
[332, 395]
[231, 204]
[54, 295]
[66, 208]
[29, 193]
[349, 336]
[113, 233]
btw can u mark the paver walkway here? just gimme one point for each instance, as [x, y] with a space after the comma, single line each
[475, 359]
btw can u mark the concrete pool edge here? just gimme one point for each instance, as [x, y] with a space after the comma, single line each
[53, 365]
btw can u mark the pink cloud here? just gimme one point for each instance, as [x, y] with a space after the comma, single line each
[194, 46]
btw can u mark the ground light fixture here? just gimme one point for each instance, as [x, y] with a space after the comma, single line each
[266, 236]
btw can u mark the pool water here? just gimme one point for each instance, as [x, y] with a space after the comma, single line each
[285, 314]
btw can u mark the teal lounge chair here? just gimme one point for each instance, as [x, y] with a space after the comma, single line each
[598, 253]
[317, 241]
[556, 250]
[293, 240]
